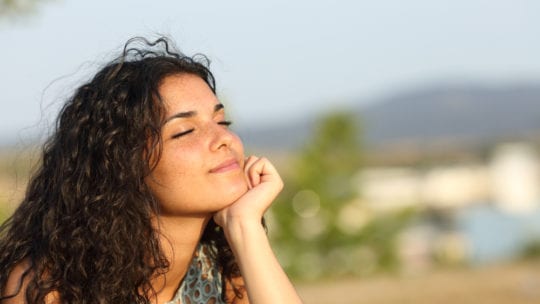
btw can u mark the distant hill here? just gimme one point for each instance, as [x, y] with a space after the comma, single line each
[462, 115]
[454, 113]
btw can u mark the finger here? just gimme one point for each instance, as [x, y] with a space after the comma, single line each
[247, 165]
[248, 162]
[262, 171]
[269, 174]
[254, 172]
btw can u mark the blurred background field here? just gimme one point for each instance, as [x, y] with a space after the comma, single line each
[379, 210]
[501, 284]
[407, 134]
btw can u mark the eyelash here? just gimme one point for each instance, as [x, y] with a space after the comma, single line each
[182, 133]
[225, 123]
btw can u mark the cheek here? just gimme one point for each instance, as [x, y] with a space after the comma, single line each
[180, 165]
[170, 170]
[173, 183]
[238, 145]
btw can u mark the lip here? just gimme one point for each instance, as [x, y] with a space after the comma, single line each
[228, 165]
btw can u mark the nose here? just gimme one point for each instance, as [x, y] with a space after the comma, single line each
[222, 138]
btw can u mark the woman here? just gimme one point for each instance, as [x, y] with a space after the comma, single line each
[144, 195]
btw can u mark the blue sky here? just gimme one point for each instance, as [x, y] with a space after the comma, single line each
[275, 61]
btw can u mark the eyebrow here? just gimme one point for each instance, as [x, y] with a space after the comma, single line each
[218, 107]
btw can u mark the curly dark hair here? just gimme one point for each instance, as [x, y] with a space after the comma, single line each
[85, 225]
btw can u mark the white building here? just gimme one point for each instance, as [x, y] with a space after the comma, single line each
[511, 180]
[455, 186]
[515, 178]
[387, 188]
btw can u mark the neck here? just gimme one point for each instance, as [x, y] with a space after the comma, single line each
[179, 237]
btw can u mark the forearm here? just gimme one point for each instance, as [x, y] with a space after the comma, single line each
[265, 280]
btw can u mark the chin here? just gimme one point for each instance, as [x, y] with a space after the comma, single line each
[235, 192]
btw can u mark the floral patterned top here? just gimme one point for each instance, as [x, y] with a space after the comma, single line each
[203, 281]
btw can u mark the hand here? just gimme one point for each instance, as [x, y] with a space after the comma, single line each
[264, 279]
[264, 184]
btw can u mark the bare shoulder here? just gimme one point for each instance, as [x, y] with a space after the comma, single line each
[237, 282]
[17, 282]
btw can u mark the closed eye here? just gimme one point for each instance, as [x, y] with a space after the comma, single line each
[225, 123]
[182, 133]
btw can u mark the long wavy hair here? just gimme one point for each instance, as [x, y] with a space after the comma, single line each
[85, 225]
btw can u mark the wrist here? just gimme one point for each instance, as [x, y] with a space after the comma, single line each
[239, 231]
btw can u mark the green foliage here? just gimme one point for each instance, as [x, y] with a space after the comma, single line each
[320, 227]
[17, 7]
[531, 251]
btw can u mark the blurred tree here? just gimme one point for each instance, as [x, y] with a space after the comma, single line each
[318, 188]
[331, 158]
[531, 250]
[321, 227]
[10, 8]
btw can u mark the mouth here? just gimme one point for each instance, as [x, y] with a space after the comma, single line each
[228, 165]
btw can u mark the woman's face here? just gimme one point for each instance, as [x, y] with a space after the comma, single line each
[201, 167]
